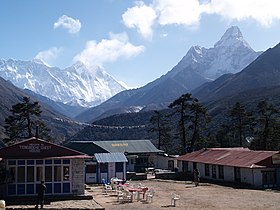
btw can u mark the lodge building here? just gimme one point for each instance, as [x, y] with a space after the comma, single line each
[25, 164]
[115, 158]
[260, 169]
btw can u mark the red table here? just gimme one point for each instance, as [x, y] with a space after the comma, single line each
[138, 190]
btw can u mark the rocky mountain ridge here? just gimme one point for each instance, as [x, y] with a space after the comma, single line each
[76, 85]
[200, 65]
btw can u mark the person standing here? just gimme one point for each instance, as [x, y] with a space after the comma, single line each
[41, 194]
[196, 177]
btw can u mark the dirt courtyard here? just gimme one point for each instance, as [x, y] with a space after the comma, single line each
[206, 196]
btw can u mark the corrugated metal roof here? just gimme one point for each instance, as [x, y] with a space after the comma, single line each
[87, 147]
[238, 157]
[110, 157]
[129, 146]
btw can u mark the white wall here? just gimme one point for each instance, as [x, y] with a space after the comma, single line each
[228, 173]
[130, 166]
[162, 161]
[248, 175]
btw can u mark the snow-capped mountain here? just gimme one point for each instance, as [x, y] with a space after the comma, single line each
[229, 55]
[200, 65]
[75, 85]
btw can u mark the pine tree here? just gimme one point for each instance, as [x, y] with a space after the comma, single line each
[160, 126]
[198, 120]
[266, 126]
[23, 121]
[241, 121]
[181, 106]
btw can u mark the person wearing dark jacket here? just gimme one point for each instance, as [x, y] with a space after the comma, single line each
[196, 177]
[41, 194]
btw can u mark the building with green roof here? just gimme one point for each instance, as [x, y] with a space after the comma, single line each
[140, 154]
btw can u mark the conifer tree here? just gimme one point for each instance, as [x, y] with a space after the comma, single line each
[198, 121]
[241, 121]
[24, 121]
[181, 106]
[160, 126]
[266, 126]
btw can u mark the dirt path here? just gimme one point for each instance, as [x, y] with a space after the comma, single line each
[205, 196]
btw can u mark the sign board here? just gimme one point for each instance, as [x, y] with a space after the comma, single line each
[35, 148]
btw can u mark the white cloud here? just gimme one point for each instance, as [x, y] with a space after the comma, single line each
[188, 12]
[141, 17]
[265, 12]
[69, 23]
[108, 50]
[48, 56]
[182, 12]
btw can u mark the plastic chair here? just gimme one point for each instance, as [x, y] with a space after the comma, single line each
[2, 204]
[150, 195]
[104, 181]
[126, 196]
[174, 198]
[107, 188]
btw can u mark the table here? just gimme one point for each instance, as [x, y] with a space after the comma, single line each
[138, 191]
[122, 186]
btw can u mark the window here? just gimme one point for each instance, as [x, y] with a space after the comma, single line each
[21, 162]
[48, 173]
[30, 174]
[214, 172]
[207, 170]
[194, 165]
[66, 175]
[269, 178]
[48, 162]
[30, 162]
[185, 166]
[91, 168]
[21, 174]
[57, 161]
[11, 162]
[221, 172]
[11, 174]
[237, 174]
[66, 161]
[57, 173]
[142, 160]
[103, 167]
[119, 167]
[39, 173]
[39, 162]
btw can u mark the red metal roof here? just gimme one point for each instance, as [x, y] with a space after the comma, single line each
[238, 157]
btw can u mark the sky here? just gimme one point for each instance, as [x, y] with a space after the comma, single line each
[134, 41]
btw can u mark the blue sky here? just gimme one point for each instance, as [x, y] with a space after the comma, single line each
[134, 41]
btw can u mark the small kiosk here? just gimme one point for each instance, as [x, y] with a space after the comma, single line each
[27, 163]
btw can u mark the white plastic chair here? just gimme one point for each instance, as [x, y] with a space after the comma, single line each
[120, 194]
[150, 195]
[174, 198]
[107, 188]
[126, 196]
[2, 204]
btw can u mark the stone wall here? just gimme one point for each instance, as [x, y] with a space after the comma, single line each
[78, 176]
